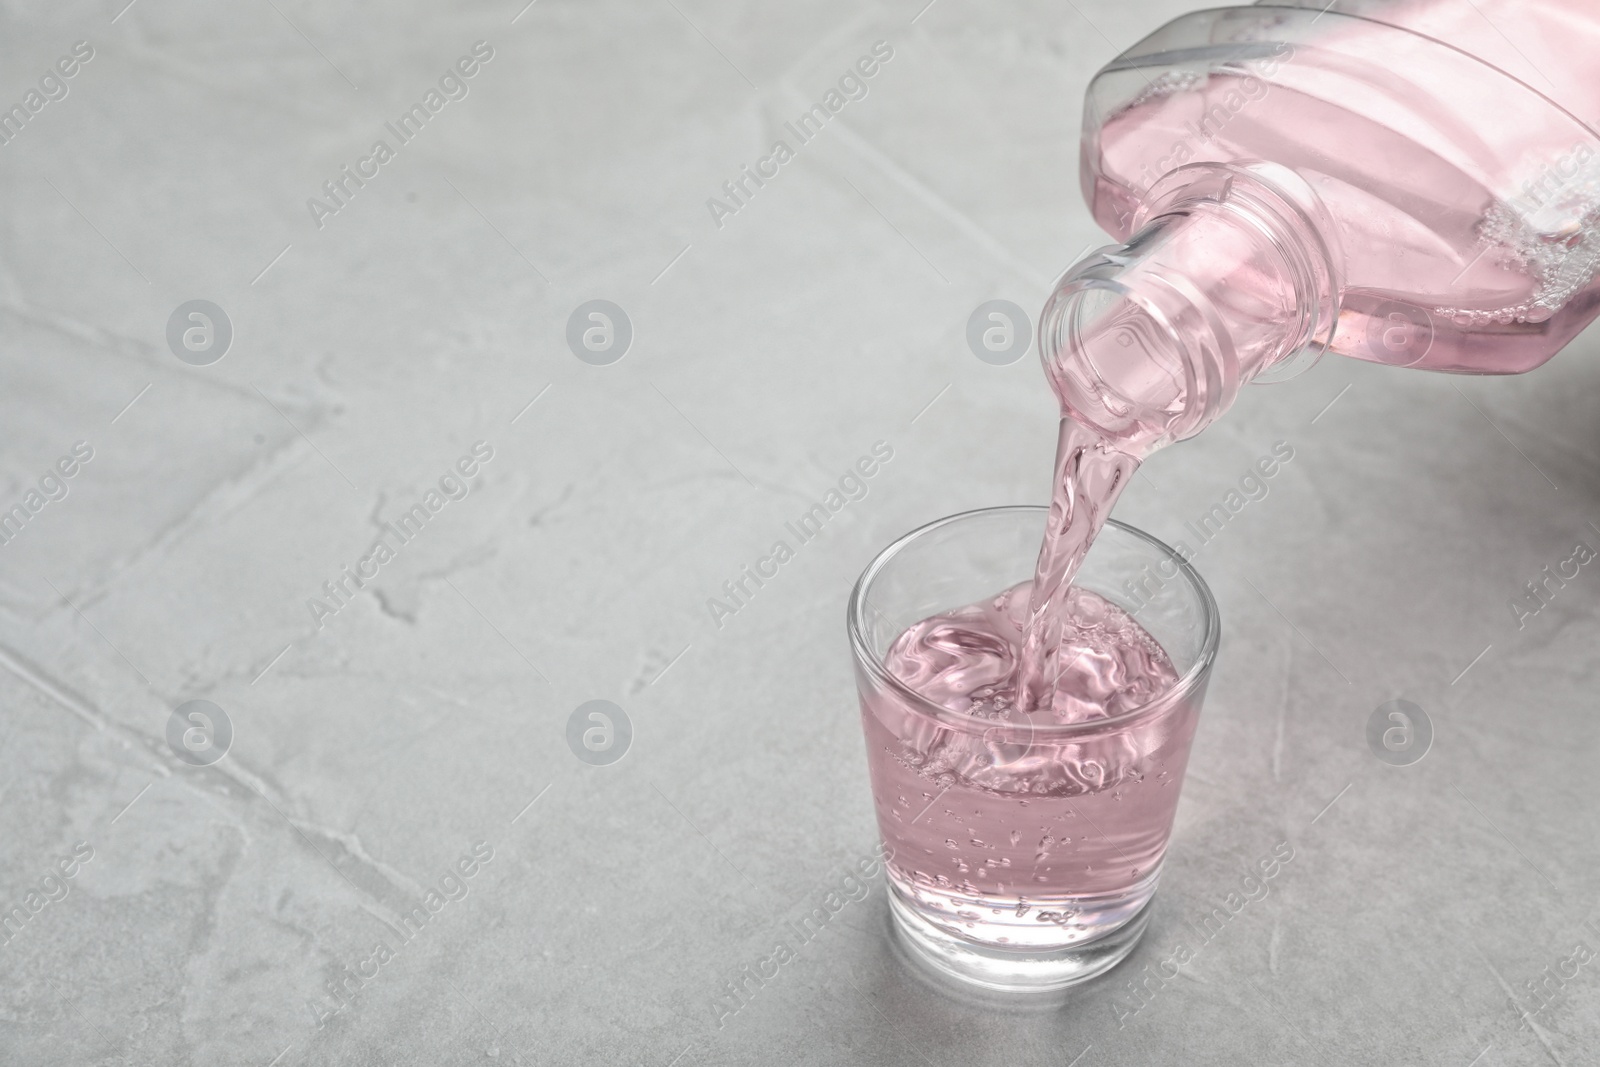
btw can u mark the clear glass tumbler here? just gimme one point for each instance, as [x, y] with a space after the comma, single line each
[1006, 884]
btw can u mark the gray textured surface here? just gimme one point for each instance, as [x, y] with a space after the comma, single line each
[824, 316]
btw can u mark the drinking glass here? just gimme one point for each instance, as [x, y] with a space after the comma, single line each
[1000, 875]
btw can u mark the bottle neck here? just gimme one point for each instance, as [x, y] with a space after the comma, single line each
[1230, 276]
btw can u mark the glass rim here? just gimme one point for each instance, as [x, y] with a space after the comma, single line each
[872, 663]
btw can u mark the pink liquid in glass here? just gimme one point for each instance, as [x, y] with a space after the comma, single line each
[1004, 834]
[1012, 838]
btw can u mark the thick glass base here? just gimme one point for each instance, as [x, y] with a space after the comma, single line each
[1011, 969]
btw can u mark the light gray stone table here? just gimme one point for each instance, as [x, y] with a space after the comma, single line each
[376, 745]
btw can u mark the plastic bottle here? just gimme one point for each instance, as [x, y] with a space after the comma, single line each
[1415, 183]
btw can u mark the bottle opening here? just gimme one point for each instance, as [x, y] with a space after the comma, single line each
[1127, 373]
[1227, 280]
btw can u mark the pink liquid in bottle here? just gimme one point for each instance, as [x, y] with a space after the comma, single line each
[1422, 179]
